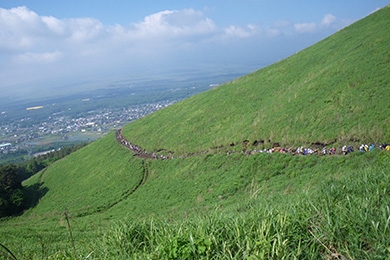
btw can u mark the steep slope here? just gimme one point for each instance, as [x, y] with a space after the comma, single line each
[261, 205]
[88, 181]
[337, 90]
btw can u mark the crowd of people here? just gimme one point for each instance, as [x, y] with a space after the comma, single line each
[385, 147]
[299, 151]
[138, 150]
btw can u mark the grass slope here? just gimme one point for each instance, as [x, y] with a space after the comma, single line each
[338, 89]
[346, 218]
[228, 207]
[87, 181]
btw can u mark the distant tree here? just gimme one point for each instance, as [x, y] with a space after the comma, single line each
[33, 167]
[11, 190]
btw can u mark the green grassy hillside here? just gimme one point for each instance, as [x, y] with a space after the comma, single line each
[91, 180]
[336, 90]
[237, 206]
[224, 207]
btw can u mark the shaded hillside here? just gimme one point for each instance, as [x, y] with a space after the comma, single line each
[337, 90]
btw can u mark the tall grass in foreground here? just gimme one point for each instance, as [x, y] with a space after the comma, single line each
[347, 219]
[298, 207]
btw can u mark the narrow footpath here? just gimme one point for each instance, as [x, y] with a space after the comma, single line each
[318, 150]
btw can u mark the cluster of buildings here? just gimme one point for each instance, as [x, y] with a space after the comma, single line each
[14, 136]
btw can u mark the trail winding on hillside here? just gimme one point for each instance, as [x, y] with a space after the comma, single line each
[319, 149]
[145, 175]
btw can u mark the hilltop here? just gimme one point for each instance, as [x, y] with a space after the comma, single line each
[218, 206]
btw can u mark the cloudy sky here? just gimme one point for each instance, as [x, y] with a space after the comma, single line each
[47, 45]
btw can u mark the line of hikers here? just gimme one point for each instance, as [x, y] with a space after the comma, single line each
[299, 151]
[138, 150]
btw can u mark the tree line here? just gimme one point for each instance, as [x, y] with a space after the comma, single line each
[12, 194]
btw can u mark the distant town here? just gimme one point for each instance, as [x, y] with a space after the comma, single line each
[33, 127]
[15, 138]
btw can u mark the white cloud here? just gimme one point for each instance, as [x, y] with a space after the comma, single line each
[167, 24]
[23, 30]
[306, 27]
[53, 24]
[31, 44]
[38, 58]
[327, 21]
[84, 29]
[241, 32]
[19, 19]
[17, 28]
[273, 32]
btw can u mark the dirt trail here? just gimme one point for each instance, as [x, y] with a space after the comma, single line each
[318, 149]
[145, 175]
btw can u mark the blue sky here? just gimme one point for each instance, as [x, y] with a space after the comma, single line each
[47, 45]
